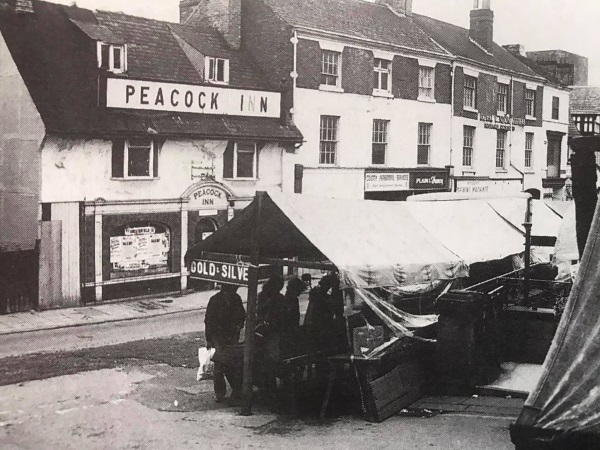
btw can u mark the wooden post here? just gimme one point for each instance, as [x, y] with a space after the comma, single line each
[251, 308]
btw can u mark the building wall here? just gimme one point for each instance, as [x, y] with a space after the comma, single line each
[80, 170]
[21, 134]
[356, 113]
[357, 71]
[568, 68]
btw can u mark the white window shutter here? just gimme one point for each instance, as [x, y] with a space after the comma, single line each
[226, 68]
[206, 67]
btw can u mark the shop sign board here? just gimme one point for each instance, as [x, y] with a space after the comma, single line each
[186, 98]
[230, 273]
[489, 186]
[501, 122]
[209, 197]
[387, 181]
[429, 180]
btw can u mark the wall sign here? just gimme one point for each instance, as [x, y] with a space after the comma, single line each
[229, 273]
[501, 122]
[496, 187]
[160, 96]
[428, 180]
[387, 181]
[209, 197]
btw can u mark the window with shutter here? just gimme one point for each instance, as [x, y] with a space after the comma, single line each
[228, 160]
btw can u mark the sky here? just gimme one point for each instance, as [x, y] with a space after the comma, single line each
[536, 24]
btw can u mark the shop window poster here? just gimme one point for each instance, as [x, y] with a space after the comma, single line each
[140, 251]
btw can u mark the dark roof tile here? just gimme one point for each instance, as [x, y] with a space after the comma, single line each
[355, 18]
[585, 100]
[56, 57]
[457, 41]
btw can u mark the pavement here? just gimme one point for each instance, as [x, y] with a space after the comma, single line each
[105, 313]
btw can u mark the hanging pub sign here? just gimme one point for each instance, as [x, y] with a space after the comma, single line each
[185, 98]
[230, 273]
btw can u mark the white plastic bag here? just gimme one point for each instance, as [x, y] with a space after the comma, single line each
[206, 369]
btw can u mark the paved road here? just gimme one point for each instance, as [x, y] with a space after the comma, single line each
[92, 336]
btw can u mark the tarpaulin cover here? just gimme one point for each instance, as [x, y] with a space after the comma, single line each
[545, 221]
[469, 228]
[567, 396]
[565, 250]
[371, 243]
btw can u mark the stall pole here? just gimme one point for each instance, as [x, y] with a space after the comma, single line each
[251, 308]
[527, 225]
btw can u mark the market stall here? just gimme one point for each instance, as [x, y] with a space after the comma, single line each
[371, 245]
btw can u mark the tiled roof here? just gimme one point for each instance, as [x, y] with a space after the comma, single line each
[456, 40]
[59, 66]
[355, 18]
[243, 70]
[152, 50]
[585, 100]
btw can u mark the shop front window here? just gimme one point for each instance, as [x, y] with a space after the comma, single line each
[140, 249]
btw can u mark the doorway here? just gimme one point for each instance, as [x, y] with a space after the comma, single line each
[204, 229]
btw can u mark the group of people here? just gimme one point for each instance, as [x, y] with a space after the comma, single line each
[278, 333]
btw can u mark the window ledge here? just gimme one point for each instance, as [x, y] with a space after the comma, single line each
[501, 114]
[529, 172]
[240, 179]
[499, 170]
[380, 93]
[469, 109]
[530, 118]
[135, 179]
[426, 99]
[328, 88]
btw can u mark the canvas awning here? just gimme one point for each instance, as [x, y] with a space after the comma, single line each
[371, 243]
[469, 228]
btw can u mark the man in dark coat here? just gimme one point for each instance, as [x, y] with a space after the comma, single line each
[224, 319]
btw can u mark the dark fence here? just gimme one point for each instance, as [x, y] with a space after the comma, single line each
[19, 281]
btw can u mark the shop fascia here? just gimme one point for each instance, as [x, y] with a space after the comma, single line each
[496, 122]
[405, 180]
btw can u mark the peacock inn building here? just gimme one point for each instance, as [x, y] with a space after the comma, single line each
[123, 141]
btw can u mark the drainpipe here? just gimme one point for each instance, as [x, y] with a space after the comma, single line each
[452, 93]
[510, 132]
[294, 74]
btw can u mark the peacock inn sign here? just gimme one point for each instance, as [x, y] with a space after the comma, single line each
[172, 97]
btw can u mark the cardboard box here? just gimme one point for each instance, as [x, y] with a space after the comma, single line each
[365, 339]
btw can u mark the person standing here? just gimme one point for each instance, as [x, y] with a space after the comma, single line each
[224, 319]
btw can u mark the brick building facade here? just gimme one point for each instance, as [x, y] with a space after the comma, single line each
[386, 98]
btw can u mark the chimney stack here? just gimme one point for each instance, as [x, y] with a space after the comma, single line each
[482, 23]
[224, 15]
[398, 6]
[516, 49]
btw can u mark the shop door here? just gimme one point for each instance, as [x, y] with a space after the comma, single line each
[554, 144]
[204, 229]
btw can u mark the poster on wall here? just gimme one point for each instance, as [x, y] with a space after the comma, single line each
[140, 251]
